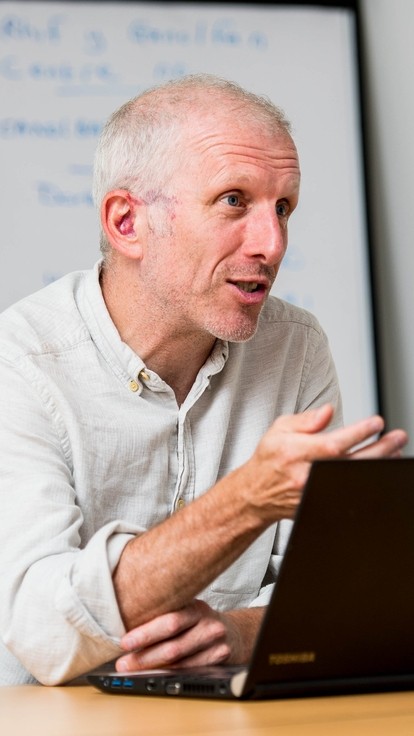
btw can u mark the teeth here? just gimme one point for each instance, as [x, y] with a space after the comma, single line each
[247, 285]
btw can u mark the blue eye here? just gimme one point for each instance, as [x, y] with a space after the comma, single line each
[233, 200]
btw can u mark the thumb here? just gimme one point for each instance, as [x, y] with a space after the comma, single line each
[309, 421]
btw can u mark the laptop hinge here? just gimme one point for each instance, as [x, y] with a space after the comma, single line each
[237, 683]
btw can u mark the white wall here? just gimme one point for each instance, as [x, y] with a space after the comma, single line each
[388, 56]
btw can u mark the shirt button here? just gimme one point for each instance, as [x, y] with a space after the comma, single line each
[180, 504]
[144, 376]
[133, 385]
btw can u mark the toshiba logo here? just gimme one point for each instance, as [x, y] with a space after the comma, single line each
[292, 658]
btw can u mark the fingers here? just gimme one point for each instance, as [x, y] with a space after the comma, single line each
[389, 445]
[347, 440]
[313, 444]
[340, 442]
[162, 627]
[174, 654]
[194, 634]
[313, 420]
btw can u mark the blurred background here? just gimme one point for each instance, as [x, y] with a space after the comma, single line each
[387, 52]
[343, 73]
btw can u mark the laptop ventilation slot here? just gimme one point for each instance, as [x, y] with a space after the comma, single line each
[198, 688]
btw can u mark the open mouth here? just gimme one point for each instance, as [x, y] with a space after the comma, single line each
[249, 286]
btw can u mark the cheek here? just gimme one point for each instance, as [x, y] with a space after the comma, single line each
[197, 246]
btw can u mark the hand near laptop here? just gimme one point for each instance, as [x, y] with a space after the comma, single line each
[195, 635]
[192, 633]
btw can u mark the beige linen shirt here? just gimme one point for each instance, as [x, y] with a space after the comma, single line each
[94, 450]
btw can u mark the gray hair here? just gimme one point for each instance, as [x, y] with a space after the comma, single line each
[138, 146]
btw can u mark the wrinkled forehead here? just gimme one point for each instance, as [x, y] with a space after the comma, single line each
[232, 135]
[220, 113]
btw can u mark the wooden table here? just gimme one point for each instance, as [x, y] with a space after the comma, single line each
[31, 710]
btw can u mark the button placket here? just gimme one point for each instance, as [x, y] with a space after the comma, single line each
[184, 490]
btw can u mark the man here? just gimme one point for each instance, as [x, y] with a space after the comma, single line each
[159, 414]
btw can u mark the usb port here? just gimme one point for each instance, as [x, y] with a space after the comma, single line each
[127, 682]
[116, 682]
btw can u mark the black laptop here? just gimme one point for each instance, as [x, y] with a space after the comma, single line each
[341, 617]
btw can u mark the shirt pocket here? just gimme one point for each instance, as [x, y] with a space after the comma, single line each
[240, 584]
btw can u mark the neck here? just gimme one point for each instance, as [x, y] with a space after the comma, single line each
[172, 351]
[177, 363]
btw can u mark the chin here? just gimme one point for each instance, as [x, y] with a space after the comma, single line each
[232, 325]
[241, 337]
[237, 333]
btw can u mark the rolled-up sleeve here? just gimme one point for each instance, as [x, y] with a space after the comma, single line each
[58, 615]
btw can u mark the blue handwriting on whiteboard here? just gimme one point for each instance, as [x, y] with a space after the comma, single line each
[44, 129]
[51, 195]
[21, 29]
[87, 128]
[12, 128]
[221, 32]
[95, 42]
[170, 70]
[39, 71]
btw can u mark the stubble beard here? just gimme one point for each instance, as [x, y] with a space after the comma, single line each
[241, 332]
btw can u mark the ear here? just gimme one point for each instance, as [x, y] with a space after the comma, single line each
[120, 215]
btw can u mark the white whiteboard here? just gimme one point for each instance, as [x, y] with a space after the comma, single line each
[65, 66]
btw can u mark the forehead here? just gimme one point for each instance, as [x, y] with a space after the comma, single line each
[222, 142]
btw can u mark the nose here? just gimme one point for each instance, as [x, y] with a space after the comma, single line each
[266, 237]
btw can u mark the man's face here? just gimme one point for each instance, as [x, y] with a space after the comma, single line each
[215, 244]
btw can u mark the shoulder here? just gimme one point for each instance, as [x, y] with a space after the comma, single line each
[47, 321]
[288, 335]
[278, 312]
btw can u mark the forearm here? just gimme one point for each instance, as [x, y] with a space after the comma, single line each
[168, 566]
[171, 564]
